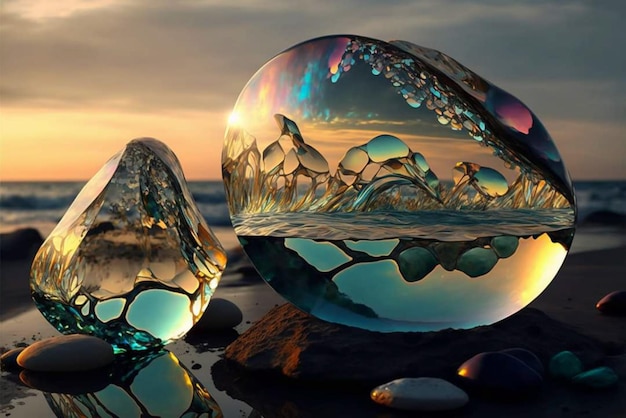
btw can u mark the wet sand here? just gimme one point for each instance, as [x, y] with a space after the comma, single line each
[584, 278]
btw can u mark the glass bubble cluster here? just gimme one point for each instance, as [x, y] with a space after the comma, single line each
[384, 185]
[132, 261]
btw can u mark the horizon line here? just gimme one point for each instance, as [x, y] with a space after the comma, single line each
[219, 179]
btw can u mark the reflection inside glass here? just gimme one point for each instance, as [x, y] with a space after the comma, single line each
[386, 186]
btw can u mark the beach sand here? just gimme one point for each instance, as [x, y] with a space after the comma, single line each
[584, 278]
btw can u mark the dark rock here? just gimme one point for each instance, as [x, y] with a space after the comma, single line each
[498, 375]
[605, 217]
[565, 365]
[504, 246]
[598, 378]
[20, 244]
[415, 263]
[8, 360]
[477, 261]
[101, 228]
[527, 357]
[71, 383]
[221, 314]
[289, 342]
[240, 276]
[613, 304]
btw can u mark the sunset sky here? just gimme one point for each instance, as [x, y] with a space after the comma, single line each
[79, 79]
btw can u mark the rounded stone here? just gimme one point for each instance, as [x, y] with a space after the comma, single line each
[19, 244]
[415, 263]
[613, 304]
[477, 261]
[420, 394]
[366, 180]
[8, 360]
[505, 246]
[68, 383]
[527, 357]
[221, 314]
[67, 353]
[565, 365]
[495, 374]
[598, 378]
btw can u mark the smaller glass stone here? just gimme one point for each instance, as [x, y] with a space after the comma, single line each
[132, 261]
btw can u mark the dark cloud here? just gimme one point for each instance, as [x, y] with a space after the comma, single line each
[194, 55]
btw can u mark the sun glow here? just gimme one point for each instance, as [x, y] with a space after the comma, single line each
[53, 144]
[234, 119]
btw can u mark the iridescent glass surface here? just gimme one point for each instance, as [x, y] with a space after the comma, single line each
[386, 186]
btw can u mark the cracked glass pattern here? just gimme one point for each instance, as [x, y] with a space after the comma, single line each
[386, 186]
[132, 261]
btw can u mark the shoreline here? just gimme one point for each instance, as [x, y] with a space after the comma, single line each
[607, 245]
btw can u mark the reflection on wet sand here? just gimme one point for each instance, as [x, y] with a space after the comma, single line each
[134, 386]
[276, 397]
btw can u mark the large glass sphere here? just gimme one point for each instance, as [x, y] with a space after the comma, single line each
[384, 185]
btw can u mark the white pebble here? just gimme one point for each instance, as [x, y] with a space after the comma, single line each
[420, 394]
[67, 353]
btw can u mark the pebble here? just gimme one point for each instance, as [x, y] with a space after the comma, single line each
[613, 304]
[527, 357]
[499, 375]
[67, 383]
[477, 261]
[420, 394]
[221, 314]
[20, 244]
[8, 360]
[415, 263]
[598, 378]
[565, 365]
[504, 246]
[67, 353]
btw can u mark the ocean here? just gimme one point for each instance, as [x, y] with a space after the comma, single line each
[42, 204]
